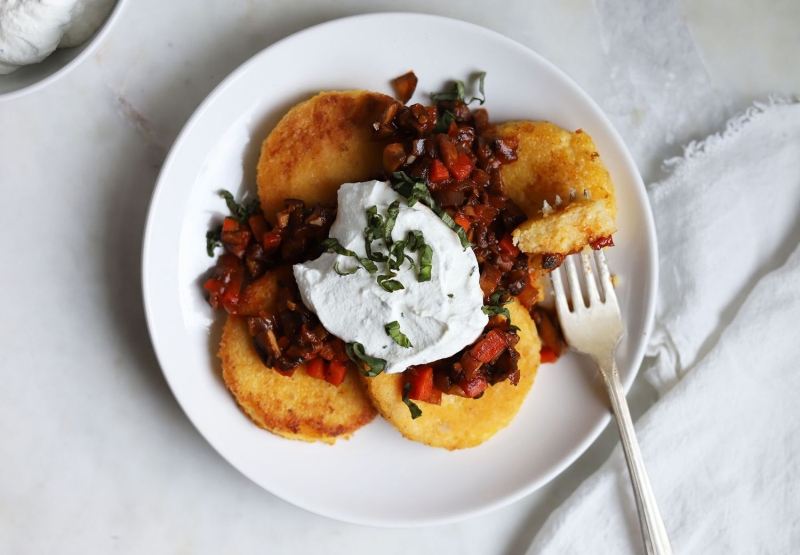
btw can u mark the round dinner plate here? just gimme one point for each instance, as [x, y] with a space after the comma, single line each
[377, 477]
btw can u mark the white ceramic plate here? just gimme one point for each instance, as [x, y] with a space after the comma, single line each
[378, 477]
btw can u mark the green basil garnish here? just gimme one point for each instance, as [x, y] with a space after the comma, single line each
[213, 240]
[393, 331]
[388, 284]
[356, 353]
[425, 265]
[412, 406]
[351, 272]
[391, 218]
[417, 191]
[496, 307]
[241, 213]
[444, 121]
[332, 244]
[458, 92]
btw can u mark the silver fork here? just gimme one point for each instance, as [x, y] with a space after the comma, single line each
[595, 331]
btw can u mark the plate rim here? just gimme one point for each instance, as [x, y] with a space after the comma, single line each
[649, 302]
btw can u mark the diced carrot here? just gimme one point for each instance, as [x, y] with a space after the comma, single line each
[547, 355]
[507, 245]
[421, 380]
[259, 226]
[231, 225]
[316, 368]
[230, 297]
[463, 221]
[475, 386]
[462, 168]
[439, 173]
[335, 372]
[489, 347]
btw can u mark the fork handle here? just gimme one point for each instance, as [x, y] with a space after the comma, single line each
[654, 534]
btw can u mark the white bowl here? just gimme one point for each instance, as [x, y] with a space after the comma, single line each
[35, 76]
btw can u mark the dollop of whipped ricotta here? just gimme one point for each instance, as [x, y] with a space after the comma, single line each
[438, 317]
[30, 30]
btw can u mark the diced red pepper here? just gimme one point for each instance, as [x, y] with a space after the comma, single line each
[506, 245]
[230, 297]
[463, 221]
[421, 380]
[489, 347]
[229, 225]
[462, 168]
[271, 240]
[335, 372]
[547, 355]
[225, 286]
[475, 386]
[316, 368]
[259, 226]
[607, 241]
[438, 173]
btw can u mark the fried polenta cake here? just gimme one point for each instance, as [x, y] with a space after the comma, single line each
[561, 184]
[459, 422]
[298, 406]
[320, 144]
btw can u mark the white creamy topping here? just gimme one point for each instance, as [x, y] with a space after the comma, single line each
[30, 30]
[439, 316]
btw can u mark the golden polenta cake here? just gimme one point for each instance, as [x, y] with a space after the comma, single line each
[459, 422]
[561, 184]
[297, 406]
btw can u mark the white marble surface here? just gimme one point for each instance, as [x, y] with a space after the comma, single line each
[95, 455]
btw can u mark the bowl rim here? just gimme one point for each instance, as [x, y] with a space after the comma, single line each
[90, 47]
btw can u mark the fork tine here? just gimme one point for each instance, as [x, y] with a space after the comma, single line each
[588, 278]
[605, 277]
[574, 284]
[558, 292]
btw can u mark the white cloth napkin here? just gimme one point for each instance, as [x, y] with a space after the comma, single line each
[722, 446]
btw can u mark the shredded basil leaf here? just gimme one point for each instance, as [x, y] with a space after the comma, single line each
[496, 307]
[388, 284]
[412, 406]
[481, 79]
[458, 92]
[450, 295]
[213, 239]
[444, 121]
[332, 244]
[336, 269]
[425, 265]
[369, 265]
[393, 331]
[241, 213]
[417, 191]
[391, 218]
[355, 351]
[472, 271]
